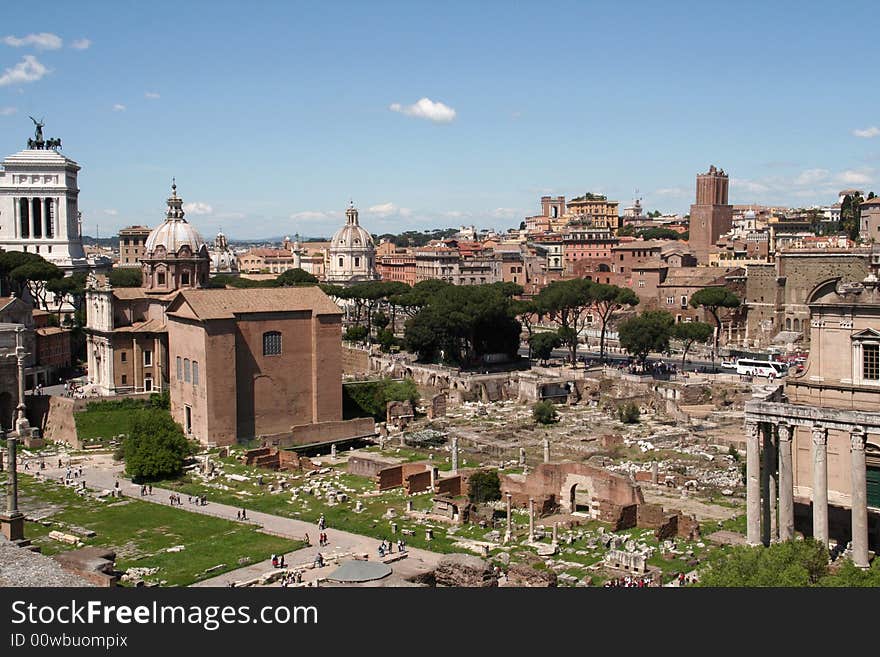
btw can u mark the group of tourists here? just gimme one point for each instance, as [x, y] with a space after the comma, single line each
[278, 561]
[629, 582]
[387, 547]
[241, 515]
[291, 577]
[71, 389]
[146, 489]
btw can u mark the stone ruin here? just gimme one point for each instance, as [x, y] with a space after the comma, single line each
[273, 458]
[437, 407]
[399, 413]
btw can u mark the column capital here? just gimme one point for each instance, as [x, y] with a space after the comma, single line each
[820, 435]
[785, 430]
[857, 437]
[752, 429]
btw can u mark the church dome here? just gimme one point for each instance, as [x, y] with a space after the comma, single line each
[351, 236]
[175, 232]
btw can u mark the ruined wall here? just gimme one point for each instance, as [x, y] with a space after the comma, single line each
[396, 475]
[417, 482]
[355, 361]
[323, 432]
[451, 486]
[368, 466]
[59, 424]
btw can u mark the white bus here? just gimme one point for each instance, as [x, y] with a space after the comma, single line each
[761, 367]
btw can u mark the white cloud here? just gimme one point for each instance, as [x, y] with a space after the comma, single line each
[867, 133]
[81, 44]
[8, 111]
[670, 191]
[425, 108]
[812, 177]
[119, 107]
[388, 209]
[310, 215]
[111, 211]
[152, 95]
[855, 177]
[29, 69]
[507, 213]
[41, 41]
[197, 207]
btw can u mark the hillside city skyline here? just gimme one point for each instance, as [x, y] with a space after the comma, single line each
[474, 134]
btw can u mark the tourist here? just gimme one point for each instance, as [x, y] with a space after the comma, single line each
[319, 560]
[243, 514]
[281, 563]
[381, 549]
[274, 561]
[150, 489]
[306, 539]
[238, 515]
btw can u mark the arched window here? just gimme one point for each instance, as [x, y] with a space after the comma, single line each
[788, 324]
[272, 343]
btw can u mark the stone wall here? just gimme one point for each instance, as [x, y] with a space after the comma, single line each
[325, 432]
[451, 486]
[355, 361]
[397, 475]
[368, 466]
[417, 482]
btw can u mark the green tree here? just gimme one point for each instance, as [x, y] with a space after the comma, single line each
[380, 320]
[645, 333]
[542, 344]
[544, 412]
[789, 563]
[850, 215]
[71, 289]
[35, 275]
[566, 303]
[370, 398]
[484, 486]
[125, 277]
[628, 413]
[607, 300]
[712, 300]
[659, 233]
[527, 314]
[296, 277]
[849, 575]
[355, 334]
[156, 446]
[691, 332]
[9, 261]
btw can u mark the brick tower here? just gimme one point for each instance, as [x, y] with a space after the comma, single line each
[711, 216]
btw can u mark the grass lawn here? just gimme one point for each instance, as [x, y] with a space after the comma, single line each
[92, 424]
[140, 533]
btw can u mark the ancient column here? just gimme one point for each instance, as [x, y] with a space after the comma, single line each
[333, 451]
[12, 482]
[531, 520]
[820, 484]
[546, 450]
[786, 484]
[655, 472]
[859, 499]
[766, 508]
[522, 455]
[753, 490]
[509, 533]
[455, 454]
[772, 457]
[555, 533]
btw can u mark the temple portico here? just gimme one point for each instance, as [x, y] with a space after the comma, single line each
[787, 462]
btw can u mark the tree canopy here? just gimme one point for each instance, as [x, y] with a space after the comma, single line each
[566, 303]
[712, 299]
[691, 332]
[542, 344]
[125, 277]
[789, 563]
[33, 274]
[156, 446]
[463, 323]
[607, 300]
[646, 333]
[296, 277]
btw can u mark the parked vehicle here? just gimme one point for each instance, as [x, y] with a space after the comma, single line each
[751, 367]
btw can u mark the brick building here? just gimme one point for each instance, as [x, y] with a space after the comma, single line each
[246, 363]
[131, 245]
[711, 215]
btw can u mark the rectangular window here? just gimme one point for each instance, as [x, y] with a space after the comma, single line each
[272, 343]
[871, 362]
[124, 380]
[195, 373]
[186, 370]
[148, 357]
[670, 301]
[123, 356]
[161, 278]
[179, 368]
[641, 283]
[148, 384]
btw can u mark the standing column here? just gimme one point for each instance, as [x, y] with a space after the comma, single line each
[753, 490]
[47, 217]
[546, 450]
[859, 499]
[36, 218]
[820, 484]
[772, 465]
[455, 454]
[531, 520]
[766, 502]
[786, 484]
[509, 533]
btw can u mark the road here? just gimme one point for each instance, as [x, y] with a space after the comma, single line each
[693, 363]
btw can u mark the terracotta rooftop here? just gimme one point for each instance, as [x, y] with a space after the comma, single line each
[226, 304]
[268, 253]
[149, 326]
[50, 330]
[128, 293]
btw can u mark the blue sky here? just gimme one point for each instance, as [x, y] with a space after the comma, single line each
[272, 115]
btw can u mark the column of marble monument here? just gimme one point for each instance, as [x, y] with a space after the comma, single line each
[546, 451]
[820, 484]
[531, 520]
[753, 490]
[786, 484]
[859, 499]
[509, 534]
[767, 503]
[772, 465]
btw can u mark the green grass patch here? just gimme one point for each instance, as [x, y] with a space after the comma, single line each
[140, 533]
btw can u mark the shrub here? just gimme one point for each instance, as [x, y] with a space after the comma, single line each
[156, 446]
[628, 413]
[544, 412]
[370, 399]
[484, 486]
